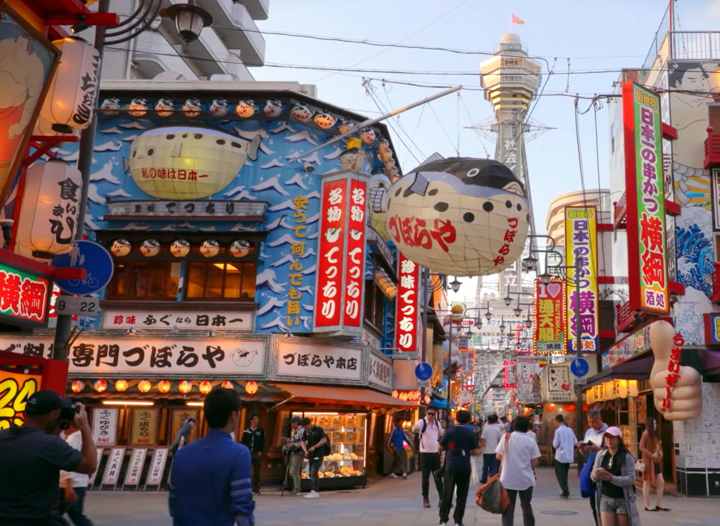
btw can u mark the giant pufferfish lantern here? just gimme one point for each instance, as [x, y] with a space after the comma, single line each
[459, 216]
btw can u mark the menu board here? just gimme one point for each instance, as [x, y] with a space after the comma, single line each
[144, 426]
[104, 426]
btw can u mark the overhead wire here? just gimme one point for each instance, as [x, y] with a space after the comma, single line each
[399, 125]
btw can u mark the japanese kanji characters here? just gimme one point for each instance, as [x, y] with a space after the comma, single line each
[23, 297]
[549, 316]
[406, 305]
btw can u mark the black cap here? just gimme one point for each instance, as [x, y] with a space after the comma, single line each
[42, 402]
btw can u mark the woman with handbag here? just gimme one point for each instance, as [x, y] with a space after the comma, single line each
[614, 473]
[652, 457]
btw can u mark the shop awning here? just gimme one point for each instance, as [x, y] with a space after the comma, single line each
[636, 368]
[340, 395]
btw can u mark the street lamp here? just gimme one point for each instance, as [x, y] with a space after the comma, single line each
[455, 284]
[190, 20]
[507, 299]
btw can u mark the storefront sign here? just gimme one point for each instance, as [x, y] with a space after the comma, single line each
[296, 276]
[113, 466]
[15, 389]
[112, 355]
[715, 182]
[406, 305]
[104, 426]
[354, 286]
[157, 467]
[407, 396]
[178, 320]
[198, 210]
[549, 316]
[509, 378]
[23, 296]
[143, 430]
[310, 360]
[581, 290]
[135, 466]
[527, 373]
[645, 191]
[380, 373]
[637, 343]
[558, 385]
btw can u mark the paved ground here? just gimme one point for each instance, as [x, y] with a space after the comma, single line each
[392, 503]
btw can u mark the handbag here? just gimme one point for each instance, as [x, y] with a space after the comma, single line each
[492, 496]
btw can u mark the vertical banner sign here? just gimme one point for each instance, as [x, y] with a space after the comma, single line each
[104, 426]
[353, 293]
[582, 291]
[549, 316]
[157, 467]
[113, 466]
[645, 197]
[331, 255]
[406, 305]
[135, 467]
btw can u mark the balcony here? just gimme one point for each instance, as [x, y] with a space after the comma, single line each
[258, 9]
[235, 25]
[712, 149]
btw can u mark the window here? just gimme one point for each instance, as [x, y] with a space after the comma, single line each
[374, 305]
[152, 280]
[221, 281]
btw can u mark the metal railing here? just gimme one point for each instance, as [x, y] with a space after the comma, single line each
[696, 45]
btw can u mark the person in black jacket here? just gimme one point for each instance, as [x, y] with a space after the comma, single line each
[254, 439]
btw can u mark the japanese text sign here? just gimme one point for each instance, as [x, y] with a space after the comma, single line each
[582, 284]
[182, 321]
[319, 361]
[23, 296]
[549, 316]
[144, 426]
[293, 307]
[645, 197]
[104, 426]
[353, 294]
[16, 388]
[406, 305]
[673, 370]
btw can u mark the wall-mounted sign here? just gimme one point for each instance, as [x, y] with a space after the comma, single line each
[104, 426]
[135, 466]
[712, 329]
[16, 388]
[407, 396]
[179, 210]
[558, 386]
[637, 343]
[113, 466]
[354, 283]
[509, 374]
[527, 373]
[113, 355]
[581, 284]
[715, 181]
[206, 320]
[157, 467]
[143, 428]
[549, 316]
[310, 360]
[23, 296]
[380, 373]
[645, 198]
[406, 305]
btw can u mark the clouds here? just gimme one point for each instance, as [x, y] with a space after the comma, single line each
[105, 174]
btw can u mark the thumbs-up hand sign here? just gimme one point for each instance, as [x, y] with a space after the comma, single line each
[677, 389]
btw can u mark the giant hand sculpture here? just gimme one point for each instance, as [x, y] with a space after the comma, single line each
[677, 388]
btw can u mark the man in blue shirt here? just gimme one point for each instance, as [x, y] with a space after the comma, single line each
[460, 442]
[395, 442]
[210, 482]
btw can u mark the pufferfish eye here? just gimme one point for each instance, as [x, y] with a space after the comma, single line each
[472, 172]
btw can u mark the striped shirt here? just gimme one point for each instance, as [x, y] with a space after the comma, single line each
[210, 483]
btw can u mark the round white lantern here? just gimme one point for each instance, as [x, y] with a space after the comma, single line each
[210, 248]
[459, 216]
[120, 248]
[72, 96]
[240, 248]
[150, 248]
[180, 248]
[49, 211]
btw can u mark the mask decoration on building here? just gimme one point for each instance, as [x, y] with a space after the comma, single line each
[245, 109]
[273, 108]
[240, 248]
[138, 107]
[187, 163]
[219, 108]
[164, 107]
[120, 248]
[345, 126]
[301, 113]
[150, 248]
[192, 108]
[210, 248]
[110, 106]
[460, 216]
[368, 136]
[180, 248]
[384, 151]
[324, 121]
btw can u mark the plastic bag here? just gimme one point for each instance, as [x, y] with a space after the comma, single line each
[587, 486]
[492, 497]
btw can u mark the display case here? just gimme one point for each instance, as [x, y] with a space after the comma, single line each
[345, 466]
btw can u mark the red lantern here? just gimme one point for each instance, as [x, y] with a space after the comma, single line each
[569, 408]
[164, 386]
[205, 387]
[100, 386]
[185, 387]
[77, 386]
[227, 384]
[251, 387]
[144, 386]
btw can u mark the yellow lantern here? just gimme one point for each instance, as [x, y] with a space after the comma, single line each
[121, 386]
[164, 386]
[251, 387]
[144, 386]
[205, 387]
[185, 387]
[227, 384]
[72, 96]
[49, 213]
[77, 386]
[100, 386]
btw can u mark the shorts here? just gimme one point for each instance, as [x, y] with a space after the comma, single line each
[611, 505]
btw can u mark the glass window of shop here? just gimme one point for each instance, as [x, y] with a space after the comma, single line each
[145, 280]
[221, 280]
[374, 305]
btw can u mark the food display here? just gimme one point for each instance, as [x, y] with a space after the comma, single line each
[347, 432]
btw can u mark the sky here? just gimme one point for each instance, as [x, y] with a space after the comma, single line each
[571, 34]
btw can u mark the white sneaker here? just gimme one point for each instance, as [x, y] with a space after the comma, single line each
[394, 476]
[312, 495]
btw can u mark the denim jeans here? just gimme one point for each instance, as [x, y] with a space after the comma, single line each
[315, 464]
[490, 466]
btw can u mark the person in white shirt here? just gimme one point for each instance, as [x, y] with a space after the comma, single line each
[564, 443]
[591, 444]
[74, 485]
[489, 439]
[519, 455]
[429, 431]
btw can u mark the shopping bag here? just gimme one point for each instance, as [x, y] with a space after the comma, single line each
[587, 486]
[492, 497]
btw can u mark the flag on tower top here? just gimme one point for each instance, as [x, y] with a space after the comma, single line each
[517, 20]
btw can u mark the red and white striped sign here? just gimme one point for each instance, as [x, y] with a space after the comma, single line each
[406, 305]
[355, 256]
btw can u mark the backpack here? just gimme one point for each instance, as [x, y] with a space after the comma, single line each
[587, 486]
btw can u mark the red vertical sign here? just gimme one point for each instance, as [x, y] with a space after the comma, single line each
[355, 257]
[331, 255]
[406, 305]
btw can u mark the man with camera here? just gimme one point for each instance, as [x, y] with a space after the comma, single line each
[32, 456]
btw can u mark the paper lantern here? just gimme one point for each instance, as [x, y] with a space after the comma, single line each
[227, 384]
[301, 113]
[49, 212]
[324, 121]
[180, 248]
[77, 386]
[251, 387]
[210, 248]
[100, 386]
[205, 387]
[138, 107]
[273, 108]
[164, 386]
[179, 163]
[150, 248]
[165, 107]
[144, 386]
[245, 109]
[459, 216]
[121, 386]
[185, 387]
[192, 108]
[240, 248]
[219, 108]
[72, 96]
[120, 248]
[110, 106]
